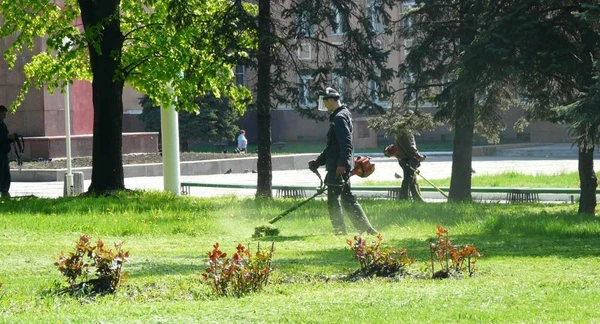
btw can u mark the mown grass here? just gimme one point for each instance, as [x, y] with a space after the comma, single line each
[541, 262]
[506, 179]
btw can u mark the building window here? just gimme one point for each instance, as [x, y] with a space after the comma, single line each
[337, 82]
[305, 27]
[305, 51]
[340, 21]
[373, 88]
[304, 95]
[407, 23]
[240, 75]
[406, 7]
[408, 79]
[407, 45]
[374, 14]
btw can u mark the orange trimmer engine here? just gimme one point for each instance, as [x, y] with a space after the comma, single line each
[363, 166]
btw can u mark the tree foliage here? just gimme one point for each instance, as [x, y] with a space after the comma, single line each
[396, 121]
[457, 60]
[146, 44]
[215, 119]
[299, 55]
[472, 58]
[157, 46]
[459, 54]
[559, 50]
[348, 59]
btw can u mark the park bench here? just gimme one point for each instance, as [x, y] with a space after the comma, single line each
[220, 146]
[516, 195]
[513, 195]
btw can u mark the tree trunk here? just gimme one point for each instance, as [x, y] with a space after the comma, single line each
[184, 145]
[588, 180]
[263, 101]
[462, 155]
[107, 89]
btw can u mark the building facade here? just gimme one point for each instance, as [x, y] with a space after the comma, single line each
[41, 117]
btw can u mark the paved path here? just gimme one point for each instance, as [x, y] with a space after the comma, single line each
[435, 167]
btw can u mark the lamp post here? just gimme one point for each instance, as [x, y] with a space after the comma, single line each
[169, 124]
[69, 175]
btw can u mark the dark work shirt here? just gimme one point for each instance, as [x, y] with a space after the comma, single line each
[339, 149]
[4, 141]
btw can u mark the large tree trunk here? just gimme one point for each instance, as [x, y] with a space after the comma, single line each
[263, 101]
[107, 88]
[462, 155]
[588, 180]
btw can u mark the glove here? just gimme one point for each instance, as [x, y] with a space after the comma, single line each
[390, 151]
[313, 165]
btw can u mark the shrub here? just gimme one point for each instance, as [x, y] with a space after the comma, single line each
[88, 259]
[375, 261]
[240, 274]
[452, 259]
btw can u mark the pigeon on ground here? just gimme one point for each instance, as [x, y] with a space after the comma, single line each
[228, 171]
[253, 171]
[397, 176]
[246, 171]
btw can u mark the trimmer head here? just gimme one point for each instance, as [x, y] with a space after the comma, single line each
[265, 230]
[269, 229]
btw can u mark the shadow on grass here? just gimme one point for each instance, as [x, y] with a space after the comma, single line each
[283, 238]
[136, 201]
[152, 269]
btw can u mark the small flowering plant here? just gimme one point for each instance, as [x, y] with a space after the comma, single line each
[241, 274]
[452, 259]
[97, 260]
[376, 261]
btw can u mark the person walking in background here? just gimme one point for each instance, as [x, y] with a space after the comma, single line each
[242, 142]
[338, 160]
[409, 158]
[5, 139]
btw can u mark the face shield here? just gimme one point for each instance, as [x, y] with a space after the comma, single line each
[321, 104]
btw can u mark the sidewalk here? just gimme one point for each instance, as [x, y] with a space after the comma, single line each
[437, 166]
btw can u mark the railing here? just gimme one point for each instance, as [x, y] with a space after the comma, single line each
[512, 194]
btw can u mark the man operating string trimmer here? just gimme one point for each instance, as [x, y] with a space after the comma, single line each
[409, 158]
[338, 160]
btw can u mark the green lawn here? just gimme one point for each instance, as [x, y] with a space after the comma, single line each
[507, 179]
[542, 263]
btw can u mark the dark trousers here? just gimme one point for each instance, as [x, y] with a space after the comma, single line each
[4, 175]
[340, 197]
[409, 183]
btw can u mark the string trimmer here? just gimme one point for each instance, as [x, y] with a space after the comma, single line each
[392, 151]
[362, 168]
[270, 230]
[419, 173]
